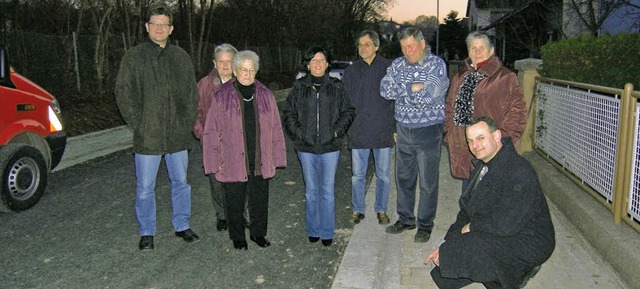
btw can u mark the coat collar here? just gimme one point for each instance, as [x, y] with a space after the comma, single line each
[492, 65]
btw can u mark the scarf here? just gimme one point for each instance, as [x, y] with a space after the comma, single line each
[463, 109]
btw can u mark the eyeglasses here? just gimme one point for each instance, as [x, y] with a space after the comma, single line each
[366, 45]
[247, 71]
[160, 25]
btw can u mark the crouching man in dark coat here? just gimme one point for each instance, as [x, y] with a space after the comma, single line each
[503, 232]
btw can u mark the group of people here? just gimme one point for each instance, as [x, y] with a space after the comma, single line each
[234, 116]
[503, 232]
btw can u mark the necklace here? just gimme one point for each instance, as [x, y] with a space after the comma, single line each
[250, 99]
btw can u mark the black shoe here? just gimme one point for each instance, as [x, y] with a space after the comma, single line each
[188, 235]
[240, 244]
[422, 236]
[327, 242]
[530, 275]
[146, 243]
[314, 239]
[261, 241]
[398, 228]
[221, 225]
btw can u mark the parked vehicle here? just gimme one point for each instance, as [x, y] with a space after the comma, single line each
[338, 67]
[32, 141]
[336, 70]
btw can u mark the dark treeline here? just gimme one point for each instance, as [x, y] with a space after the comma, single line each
[201, 23]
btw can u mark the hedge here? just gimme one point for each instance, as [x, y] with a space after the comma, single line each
[606, 60]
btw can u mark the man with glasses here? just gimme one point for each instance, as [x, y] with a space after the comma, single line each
[373, 127]
[157, 96]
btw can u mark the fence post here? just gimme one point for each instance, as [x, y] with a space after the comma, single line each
[622, 180]
[527, 72]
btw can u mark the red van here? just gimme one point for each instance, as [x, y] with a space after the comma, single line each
[31, 138]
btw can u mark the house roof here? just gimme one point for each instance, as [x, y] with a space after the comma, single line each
[487, 4]
[516, 9]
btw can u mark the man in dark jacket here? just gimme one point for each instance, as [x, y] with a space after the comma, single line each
[157, 97]
[503, 232]
[373, 127]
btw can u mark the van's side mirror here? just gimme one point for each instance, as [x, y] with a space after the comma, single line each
[5, 69]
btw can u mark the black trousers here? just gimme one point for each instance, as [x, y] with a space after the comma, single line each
[454, 283]
[235, 194]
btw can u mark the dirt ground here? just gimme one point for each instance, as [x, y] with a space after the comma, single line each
[90, 115]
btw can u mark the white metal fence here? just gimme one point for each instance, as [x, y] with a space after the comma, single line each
[578, 129]
[634, 194]
[578, 126]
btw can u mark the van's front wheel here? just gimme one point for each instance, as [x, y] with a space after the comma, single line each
[24, 176]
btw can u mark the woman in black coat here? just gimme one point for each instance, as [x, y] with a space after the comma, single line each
[317, 115]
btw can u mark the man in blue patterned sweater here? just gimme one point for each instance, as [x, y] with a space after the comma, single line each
[418, 83]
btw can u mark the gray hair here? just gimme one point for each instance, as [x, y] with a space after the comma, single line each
[372, 34]
[412, 32]
[246, 55]
[479, 35]
[224, 47]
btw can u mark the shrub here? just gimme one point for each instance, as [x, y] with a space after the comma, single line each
[607, 60]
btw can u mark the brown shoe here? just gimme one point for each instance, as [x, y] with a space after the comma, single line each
[383, 219]
[356, 217]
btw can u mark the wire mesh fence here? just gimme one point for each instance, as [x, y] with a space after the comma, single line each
[579, 130]
[634, 194]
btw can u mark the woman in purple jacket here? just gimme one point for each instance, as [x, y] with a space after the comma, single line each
[243, 143]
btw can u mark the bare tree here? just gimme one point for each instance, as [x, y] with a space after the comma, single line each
[101, 16]
[588, 15]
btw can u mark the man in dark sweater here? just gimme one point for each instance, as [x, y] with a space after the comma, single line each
[503, 232]
[372, 129]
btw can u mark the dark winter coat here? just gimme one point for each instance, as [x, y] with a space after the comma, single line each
[374, 124]
[510, 225]
[316, 121]
[498, 96]
[207, 87]
[157, 97]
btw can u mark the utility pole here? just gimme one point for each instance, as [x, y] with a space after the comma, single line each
[438, 27]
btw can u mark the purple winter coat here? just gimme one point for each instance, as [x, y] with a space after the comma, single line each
[223, 145]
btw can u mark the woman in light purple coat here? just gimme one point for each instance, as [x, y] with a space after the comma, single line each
[243, 143]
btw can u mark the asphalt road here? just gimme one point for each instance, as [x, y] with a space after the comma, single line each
[83, 234]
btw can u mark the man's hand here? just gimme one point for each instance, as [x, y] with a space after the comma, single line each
[417, 86]
[434, 256]
[466, 229]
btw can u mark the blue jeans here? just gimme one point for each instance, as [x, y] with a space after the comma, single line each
[145, 202]
[319, 173]
[418, 158]
[359, 164]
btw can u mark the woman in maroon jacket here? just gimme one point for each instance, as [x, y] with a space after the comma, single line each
[243, 143]
[483, 88]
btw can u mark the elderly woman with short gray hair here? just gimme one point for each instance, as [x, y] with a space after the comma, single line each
[243, 144]
[484, 87]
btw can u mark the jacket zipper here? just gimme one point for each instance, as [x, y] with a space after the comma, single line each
[317, 116]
